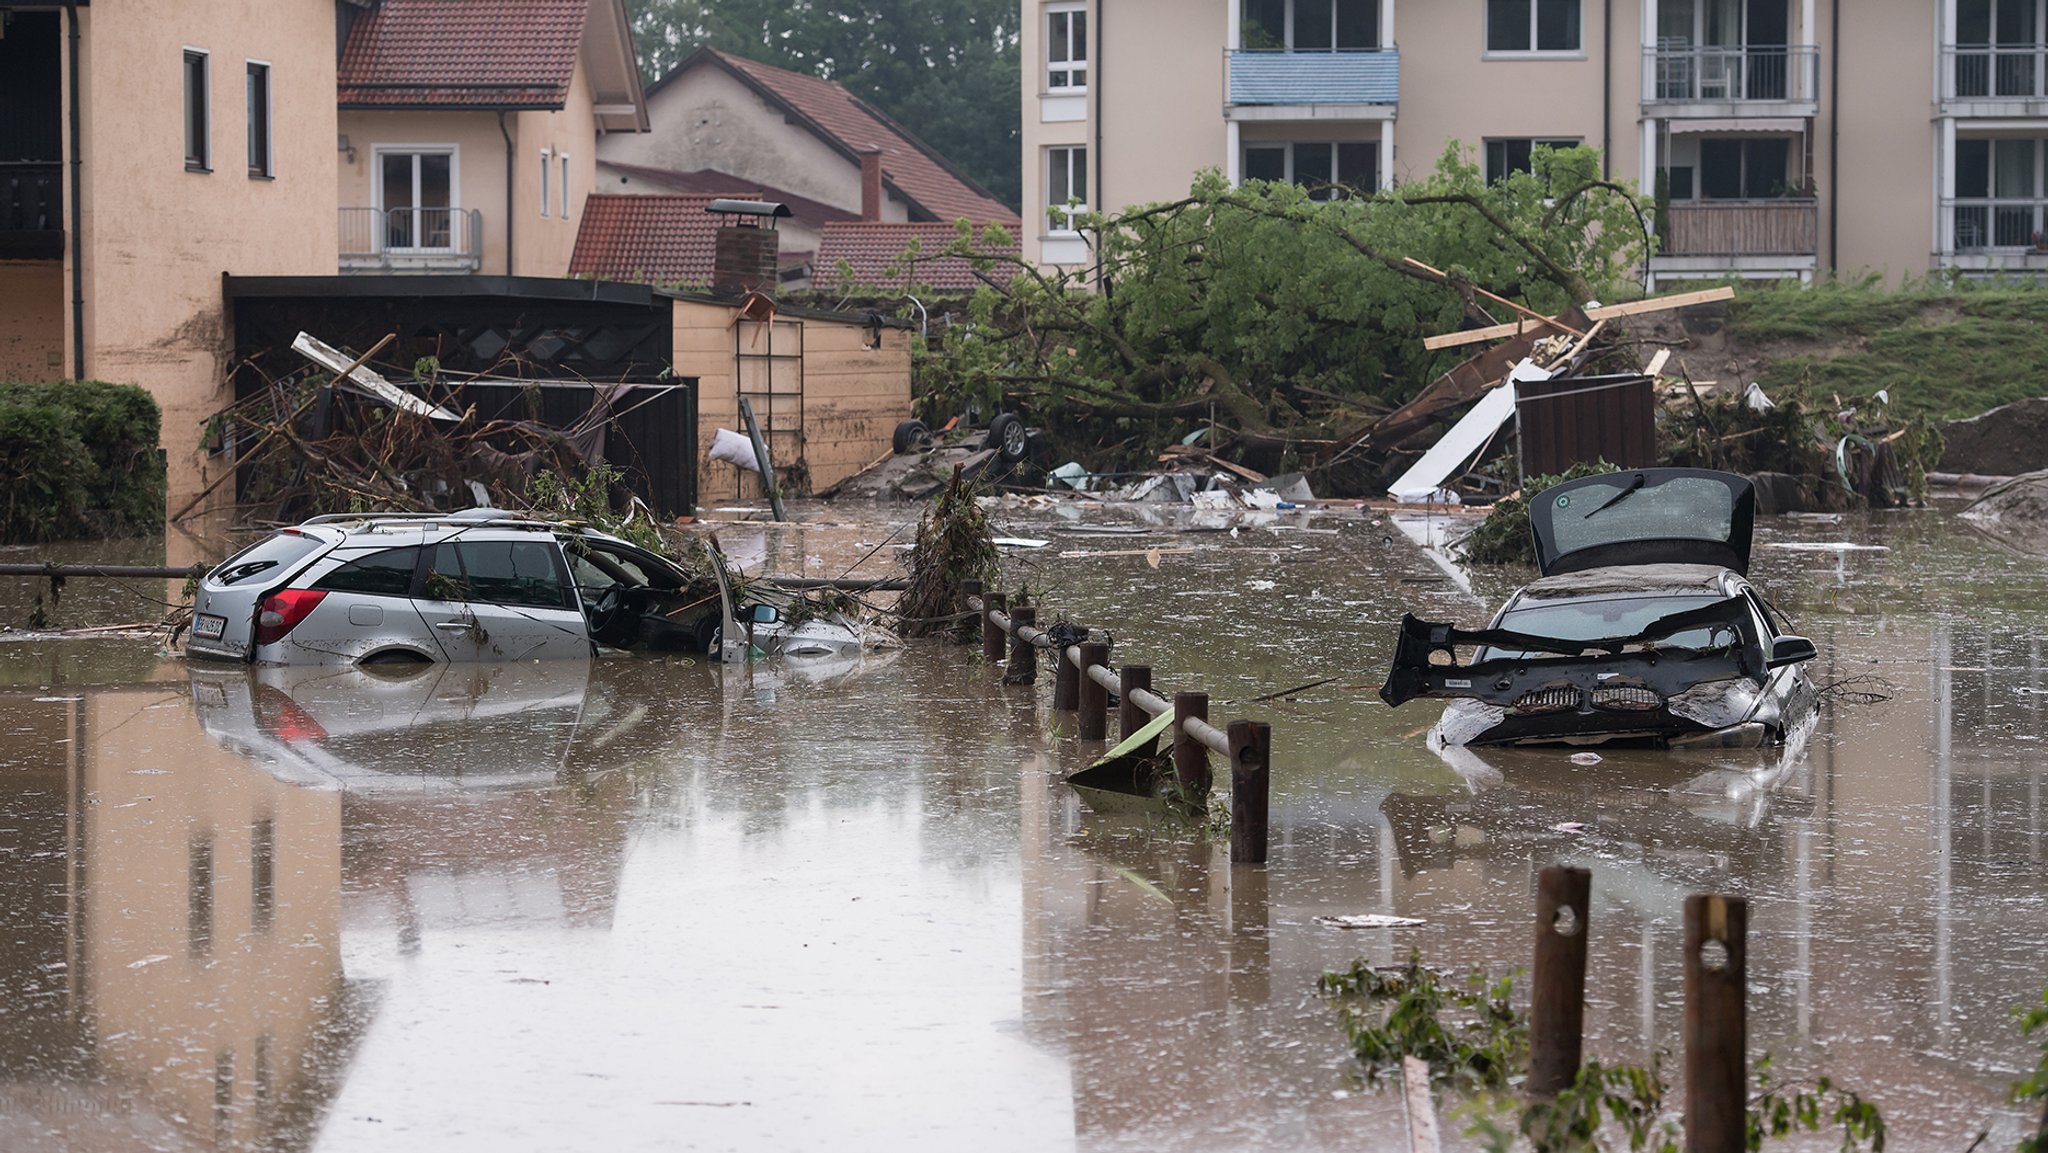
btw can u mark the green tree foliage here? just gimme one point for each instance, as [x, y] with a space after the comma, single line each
[1262, 302]
[945, 69]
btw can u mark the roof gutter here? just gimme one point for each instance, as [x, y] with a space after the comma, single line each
[507, 134]
[77, 199]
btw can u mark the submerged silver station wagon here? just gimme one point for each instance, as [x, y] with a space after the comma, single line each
[479, 585]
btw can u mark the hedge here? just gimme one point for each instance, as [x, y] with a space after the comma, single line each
[78, 459]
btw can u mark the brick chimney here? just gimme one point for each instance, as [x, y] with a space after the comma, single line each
[871, 183]
[743, 258]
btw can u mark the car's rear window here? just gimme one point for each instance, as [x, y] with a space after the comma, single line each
[386, 573]
[265, 559]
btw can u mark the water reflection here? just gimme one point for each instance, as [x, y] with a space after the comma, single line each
[649, 904]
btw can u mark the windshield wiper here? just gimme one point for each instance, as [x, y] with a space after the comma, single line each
[1617, 498]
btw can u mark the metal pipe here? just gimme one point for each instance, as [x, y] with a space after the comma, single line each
[77, 210]
[1208, 735]
[509, 172]
[139, 571]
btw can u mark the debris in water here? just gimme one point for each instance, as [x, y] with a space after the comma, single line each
[1368, 921]
[1585, 758]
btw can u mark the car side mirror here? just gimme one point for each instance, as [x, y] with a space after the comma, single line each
[765, 615]
[1791, 651]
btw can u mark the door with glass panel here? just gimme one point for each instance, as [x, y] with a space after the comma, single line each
[416, 192]
[1999, 50]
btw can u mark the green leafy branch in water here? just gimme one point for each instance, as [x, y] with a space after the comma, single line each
[1471, 1036]
[1474, 1041]
[2035, 1086]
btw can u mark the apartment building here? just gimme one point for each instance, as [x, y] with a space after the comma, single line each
[1790, 137]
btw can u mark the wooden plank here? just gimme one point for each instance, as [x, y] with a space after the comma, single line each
[1547, 321]
[1605, 312]
[1657, 362]
[1422, 1132]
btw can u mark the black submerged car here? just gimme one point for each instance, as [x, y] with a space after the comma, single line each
[1643, 627]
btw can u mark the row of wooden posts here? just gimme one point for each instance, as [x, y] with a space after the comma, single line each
[1083, 680]
[1716, 1013]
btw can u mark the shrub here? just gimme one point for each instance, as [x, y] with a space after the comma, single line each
[78, 459]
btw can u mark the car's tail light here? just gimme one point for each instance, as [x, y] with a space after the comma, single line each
[282, 612]
[1555, 700]
[1634, 698]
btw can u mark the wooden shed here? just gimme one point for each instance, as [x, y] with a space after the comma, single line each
[827, 388]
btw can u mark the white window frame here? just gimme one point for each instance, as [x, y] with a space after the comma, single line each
[1532, 52]
[1045, 73]
[562, 158]
[547, 162]
[456, 219]
[202, 159]
[1552, 142]
[1286, 149]
[268, 169]
[1080, 201]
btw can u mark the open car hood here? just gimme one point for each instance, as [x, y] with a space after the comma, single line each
[1644, 516]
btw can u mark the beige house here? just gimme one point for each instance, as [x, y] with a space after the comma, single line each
[469, 132]
[1911, 138]
[145, 149]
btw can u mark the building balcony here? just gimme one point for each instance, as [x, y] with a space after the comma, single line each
[2001, 80]
[31, 211]
[1732, 81]
[411, 240]
[1762, 239]
[1362, 84]
[1994, 235]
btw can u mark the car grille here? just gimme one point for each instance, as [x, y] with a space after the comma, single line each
[1553, 700]
[1633, 698]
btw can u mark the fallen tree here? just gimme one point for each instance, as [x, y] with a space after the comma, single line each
[1285, 316]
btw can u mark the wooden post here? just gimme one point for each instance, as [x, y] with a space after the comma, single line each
[993, 639]
[1251, 748]
[1190, 756]
[1023, 668]
[964, 628]
[1130, 715]
[1066, 680]
[1094, 724]
[1558, 988]
[1716, 1026]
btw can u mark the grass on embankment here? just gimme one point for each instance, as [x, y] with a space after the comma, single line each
[1946, 350]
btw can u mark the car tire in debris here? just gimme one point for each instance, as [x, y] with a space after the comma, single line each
[1007, 434]
[912, 436]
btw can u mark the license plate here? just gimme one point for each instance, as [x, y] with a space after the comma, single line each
[208, 627]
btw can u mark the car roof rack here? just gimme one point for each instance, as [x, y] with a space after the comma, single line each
[498, 520]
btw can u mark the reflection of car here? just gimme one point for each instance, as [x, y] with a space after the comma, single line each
[423, 728]
[477, 585]
[1642, 627]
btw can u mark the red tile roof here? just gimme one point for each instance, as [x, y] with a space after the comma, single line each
[462, 54]
[851, 124]
[802, 209]
[871, 248]
[665, 239]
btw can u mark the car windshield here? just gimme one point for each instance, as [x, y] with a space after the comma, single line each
[1592, 620]
[265, 556]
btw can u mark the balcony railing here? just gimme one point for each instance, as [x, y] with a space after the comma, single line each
[1361, 76]
[1753, 74]
[1995, 72]
[32, 211]
[1992, 225]
[1742, 228]
[412, 239]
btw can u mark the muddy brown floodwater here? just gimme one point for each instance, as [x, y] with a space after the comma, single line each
[648, 904]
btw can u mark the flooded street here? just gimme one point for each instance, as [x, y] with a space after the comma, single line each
[649, 903]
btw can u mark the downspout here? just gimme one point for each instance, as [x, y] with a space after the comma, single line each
[507, 134]
[1835, 137]
[1606, 87]
[1101, 201]
[77, 201]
